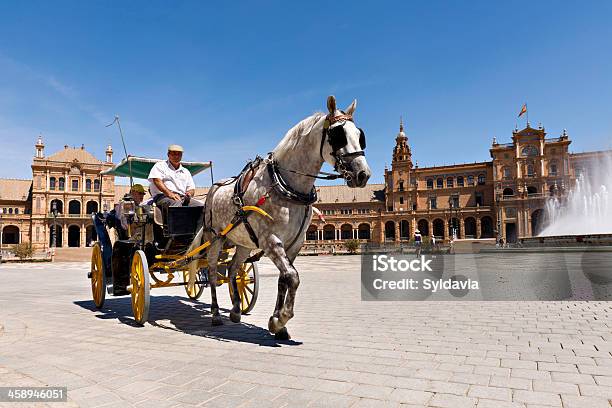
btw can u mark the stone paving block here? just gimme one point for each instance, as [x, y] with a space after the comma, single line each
[601, 391]
[373, 403]
[410, 396]
[573, 401]
[572, 378]
[452, 401]
[555, 387]
[469, 378]
[535, 397]
[557, 367]
[334, 400]
[493, 371]
[493, 393]
[371, 391]
[603, 380]
[223, 401]
[487, 403]
[530, 374]
[446, 387]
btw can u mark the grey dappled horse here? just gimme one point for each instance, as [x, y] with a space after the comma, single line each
[292, 165]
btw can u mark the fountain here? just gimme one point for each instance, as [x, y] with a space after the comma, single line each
[586, 210]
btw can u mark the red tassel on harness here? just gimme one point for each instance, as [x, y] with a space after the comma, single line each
[261, 200]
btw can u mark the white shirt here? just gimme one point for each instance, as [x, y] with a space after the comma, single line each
[177, 180]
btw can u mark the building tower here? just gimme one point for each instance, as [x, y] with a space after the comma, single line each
[399, 179]
[109, 154]
[40, 148]
[402, 156]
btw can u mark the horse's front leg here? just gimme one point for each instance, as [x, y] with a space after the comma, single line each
[213, 258]
[241, 255]
[288, 282]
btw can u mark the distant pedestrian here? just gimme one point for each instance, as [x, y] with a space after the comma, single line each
[433, 242]
[418, 240]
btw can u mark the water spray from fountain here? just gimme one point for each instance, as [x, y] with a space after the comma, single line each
[587, 208]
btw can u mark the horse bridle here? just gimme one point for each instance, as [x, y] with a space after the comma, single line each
[336, 137]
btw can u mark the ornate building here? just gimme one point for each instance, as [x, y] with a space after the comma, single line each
[500, 198]
[503, 198]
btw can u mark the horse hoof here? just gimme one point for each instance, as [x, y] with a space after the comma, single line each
[235, 317]
[282, 334]
[216, 321]
[274, 325]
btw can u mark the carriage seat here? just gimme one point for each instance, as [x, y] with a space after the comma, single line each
[178, 220]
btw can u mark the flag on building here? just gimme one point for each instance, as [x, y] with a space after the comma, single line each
[523, 110]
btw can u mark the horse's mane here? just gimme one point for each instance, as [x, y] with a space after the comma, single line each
[293, 136]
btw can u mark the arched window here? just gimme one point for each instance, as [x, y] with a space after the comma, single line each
[508, 192]
[529, 151]
[363, 231]
[91, 207]
[59, 206]
[96, 185]
[460, 181]
[346, 231]
[311, 233]
[470, 180]
[10, 210]
[389, 231]
[52, 183]
[329, 232]
[16, 210]
[531, 190]
[440, 183]
[481, 179]
[62, 184]
[74, 207]
[449, 182]
[88, 185]
[75, 184]
[430, 183]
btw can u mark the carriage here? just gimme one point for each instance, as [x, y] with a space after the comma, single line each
[152, 250]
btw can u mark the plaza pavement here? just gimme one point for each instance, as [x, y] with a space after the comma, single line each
[344, 352]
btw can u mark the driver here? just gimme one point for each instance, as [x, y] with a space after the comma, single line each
[172, 184]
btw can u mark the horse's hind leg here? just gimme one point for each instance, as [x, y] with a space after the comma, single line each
[241, 254]
[213, 257]
[288, 282]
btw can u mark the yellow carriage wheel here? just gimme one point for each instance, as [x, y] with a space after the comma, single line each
[247, 278]
[196, 291]
[139, 283]
[98, 280]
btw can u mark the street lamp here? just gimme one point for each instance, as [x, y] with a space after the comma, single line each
[454, 213]
[499, 214]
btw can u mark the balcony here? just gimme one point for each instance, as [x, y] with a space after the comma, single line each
[50, 215]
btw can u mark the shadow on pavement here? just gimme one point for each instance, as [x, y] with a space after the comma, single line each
[186, 316]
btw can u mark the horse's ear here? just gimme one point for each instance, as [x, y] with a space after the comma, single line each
[331, 104]
[351, 109]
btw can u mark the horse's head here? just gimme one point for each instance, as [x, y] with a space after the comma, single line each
[343, 144]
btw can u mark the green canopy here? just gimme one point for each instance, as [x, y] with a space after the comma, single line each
[141, 167]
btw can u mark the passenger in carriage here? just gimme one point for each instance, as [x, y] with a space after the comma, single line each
[171, 183]
[137, 192]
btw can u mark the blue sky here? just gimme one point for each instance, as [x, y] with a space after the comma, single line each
[227, 81]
